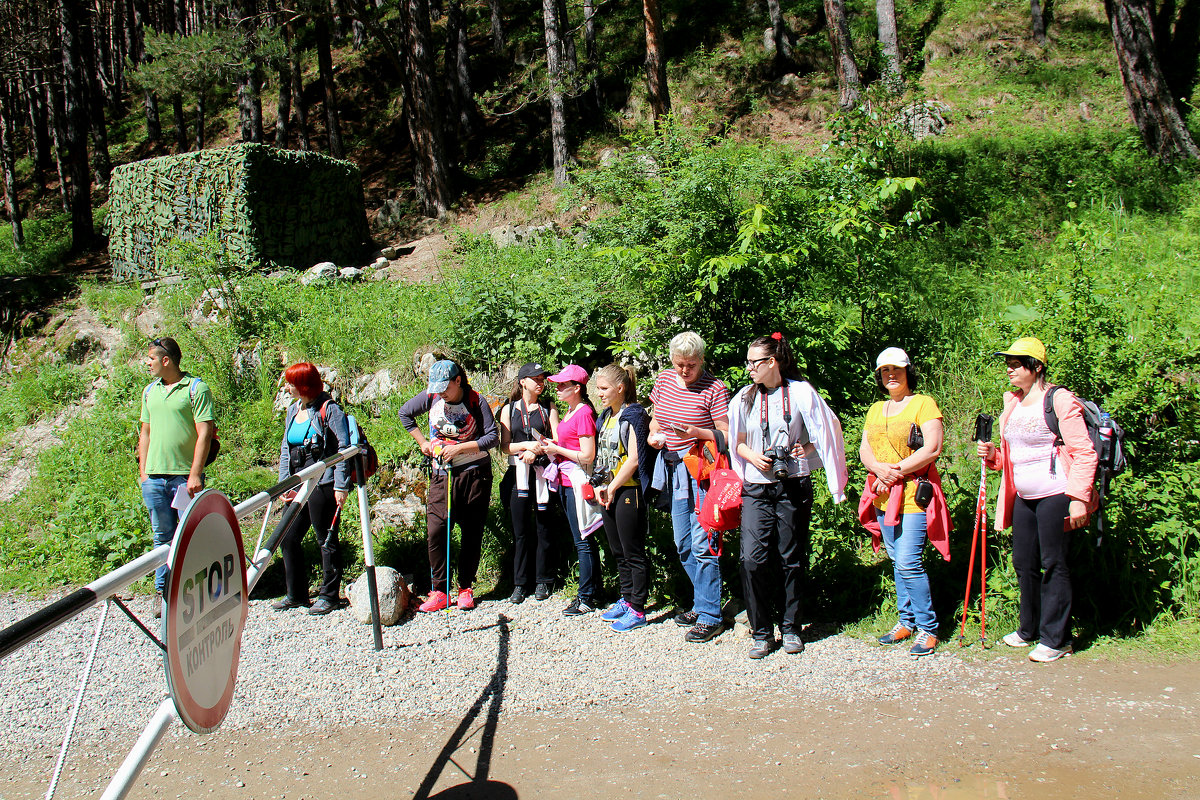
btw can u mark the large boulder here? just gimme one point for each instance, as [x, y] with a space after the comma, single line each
[394, 597]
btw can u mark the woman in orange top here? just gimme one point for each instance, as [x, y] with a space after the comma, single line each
[1046, 493]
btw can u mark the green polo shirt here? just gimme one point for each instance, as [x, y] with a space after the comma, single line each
[173, 412]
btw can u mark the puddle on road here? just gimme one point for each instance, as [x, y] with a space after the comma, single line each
[976, 787]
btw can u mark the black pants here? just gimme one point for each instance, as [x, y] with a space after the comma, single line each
[468, 508]
[1040, 543]
[625, 526]
[318, 513]
[533, 546]
[775, 518]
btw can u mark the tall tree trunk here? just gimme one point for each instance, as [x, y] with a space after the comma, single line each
[498, 44]
[8, 163]
[39, 127]
[570, 58]
[200, 114]
[458, 72]
[175, 21]
[889, 42]
[137, 52]
[849, 83]
[249, 91]
[72, 19]
[98, 128]
[593, 61]
[783, 37]
[431, 170]
[558, 115]
[325, 66]
[283, 106]
[1037, 21]
[299, 107]
[656, 65]
[58, 134]
[1150, 102]
[1177, 38]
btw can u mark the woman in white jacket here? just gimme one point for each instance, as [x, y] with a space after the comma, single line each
[781, 430]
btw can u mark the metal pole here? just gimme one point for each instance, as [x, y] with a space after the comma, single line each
[122, 782]
[364, 520]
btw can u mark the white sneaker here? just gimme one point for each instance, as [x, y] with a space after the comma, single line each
[1044, 654]
[1014, 640]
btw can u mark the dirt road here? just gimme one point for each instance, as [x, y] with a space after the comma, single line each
[1081, 728]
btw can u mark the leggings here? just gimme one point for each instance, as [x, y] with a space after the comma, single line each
[625, 525]
[317, 512]
[1040, 542]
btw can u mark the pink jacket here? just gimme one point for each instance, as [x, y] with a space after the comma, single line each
[937, 516]
[1076, 455]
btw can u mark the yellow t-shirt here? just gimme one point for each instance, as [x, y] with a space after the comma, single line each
[888, 438]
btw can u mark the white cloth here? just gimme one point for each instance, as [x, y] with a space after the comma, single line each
[824, 431]
[586, 514]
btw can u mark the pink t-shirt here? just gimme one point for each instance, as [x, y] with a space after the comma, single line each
[702, 404]
[570, 430]
[1031, 451]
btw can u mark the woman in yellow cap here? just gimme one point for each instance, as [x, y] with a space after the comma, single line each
[1046, 493]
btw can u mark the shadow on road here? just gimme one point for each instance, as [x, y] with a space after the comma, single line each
[478, 786]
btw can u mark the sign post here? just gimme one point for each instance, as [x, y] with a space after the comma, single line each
[206, 611]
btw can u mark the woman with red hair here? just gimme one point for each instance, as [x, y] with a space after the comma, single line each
[315, 429]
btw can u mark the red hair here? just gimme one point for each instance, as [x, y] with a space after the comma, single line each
[305, 378]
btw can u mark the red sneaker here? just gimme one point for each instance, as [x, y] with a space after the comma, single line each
[466, 600]
[436, 602]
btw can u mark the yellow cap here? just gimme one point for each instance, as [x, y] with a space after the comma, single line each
[1027, 346]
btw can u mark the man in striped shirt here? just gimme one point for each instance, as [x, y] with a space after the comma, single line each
[690, 404]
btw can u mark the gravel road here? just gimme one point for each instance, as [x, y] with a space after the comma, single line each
[308, 673]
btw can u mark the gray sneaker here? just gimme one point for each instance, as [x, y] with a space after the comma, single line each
[793, 644]
[761, 648]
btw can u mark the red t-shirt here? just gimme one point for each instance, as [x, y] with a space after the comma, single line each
[702, 404]
[581, 423]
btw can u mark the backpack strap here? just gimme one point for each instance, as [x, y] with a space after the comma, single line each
[1051, 416]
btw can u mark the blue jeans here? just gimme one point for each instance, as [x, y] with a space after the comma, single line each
[588, 550]
[904, 543]
[157, 494]
[691, 540]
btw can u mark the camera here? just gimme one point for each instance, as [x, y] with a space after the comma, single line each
[778, 455]
[600, 477]
[541, 461]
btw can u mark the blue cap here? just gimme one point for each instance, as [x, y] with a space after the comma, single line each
[440, 375]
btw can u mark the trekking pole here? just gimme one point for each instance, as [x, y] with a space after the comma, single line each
[983, 434]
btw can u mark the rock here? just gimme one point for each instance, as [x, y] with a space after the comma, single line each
[350, 274]
[326, 270]
[394, 596]
[608, 157]
[768, 42]
[741, 626]
[387, 252]
[83, 345]
[503, 236]
[381, 263]
[279, 273]
[398, 514]
[924, 119]
[390, 213]
[369, 388]
[247, 360]
[210, 305]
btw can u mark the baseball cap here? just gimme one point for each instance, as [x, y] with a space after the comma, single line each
[893, 357]
[571, 372]
[1027, 346]
[440, 375]
[532, 370]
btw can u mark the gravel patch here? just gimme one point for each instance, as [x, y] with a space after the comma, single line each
[308, 673]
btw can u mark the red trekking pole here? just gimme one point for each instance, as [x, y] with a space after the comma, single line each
[983, 433]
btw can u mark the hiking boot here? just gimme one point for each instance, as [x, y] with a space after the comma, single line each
[896, 634]
[436, 602]
[541, 592]
[761, 648]
[287, 604]
[686, 619]
[924, 644]
[323, 606]
[793, 644]
[1014, 640]
[466, 600]
[702, 632]
[629, 620]
[1046, 654]
[576, 608]
[517, 597]
[615, 611]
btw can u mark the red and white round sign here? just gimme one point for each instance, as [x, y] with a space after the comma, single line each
[206, 611]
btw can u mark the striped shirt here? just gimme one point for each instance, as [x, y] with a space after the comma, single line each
[703, 404]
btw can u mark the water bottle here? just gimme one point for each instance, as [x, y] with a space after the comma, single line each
[1106, 435]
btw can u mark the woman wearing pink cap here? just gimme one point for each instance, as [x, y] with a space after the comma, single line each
[576, 443]
[1046, 493]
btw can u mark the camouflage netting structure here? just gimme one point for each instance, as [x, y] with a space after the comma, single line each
[265, 205]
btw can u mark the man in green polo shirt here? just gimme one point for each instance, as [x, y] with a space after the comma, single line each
[177, 428]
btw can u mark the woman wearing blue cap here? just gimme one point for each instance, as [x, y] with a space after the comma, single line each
[461, 430]
[1046, 493]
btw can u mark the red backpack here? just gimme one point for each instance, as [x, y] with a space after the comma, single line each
[722, 507]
